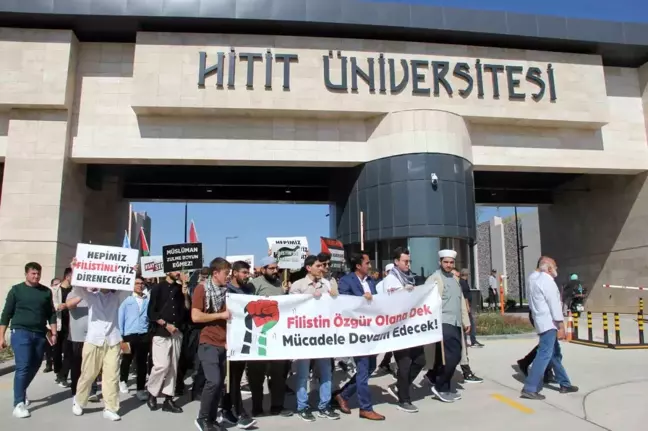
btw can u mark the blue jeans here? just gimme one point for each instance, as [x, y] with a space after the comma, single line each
[28, 348]
[548, 353]
[325, 376]
[365, 365]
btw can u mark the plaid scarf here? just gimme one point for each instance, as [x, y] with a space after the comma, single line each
[214, 296]
[404, 279]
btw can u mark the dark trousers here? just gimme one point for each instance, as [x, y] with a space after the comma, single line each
[213, 360]
[233, 401]
[365, 365]
[75, 364]
[473, 329]
[139, 346]
[49, 359]
[452, 349]
[386, 360]
[61, 356]
[28, 348]
[410, 363]
[276, 370]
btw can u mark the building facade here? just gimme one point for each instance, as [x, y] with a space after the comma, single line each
[409, 118]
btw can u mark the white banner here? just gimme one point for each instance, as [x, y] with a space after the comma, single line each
[152, 266]
[104, 267]
[304, 327]
[290, 242]
[249, 258]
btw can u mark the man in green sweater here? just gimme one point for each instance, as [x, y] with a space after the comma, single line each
[29, 307]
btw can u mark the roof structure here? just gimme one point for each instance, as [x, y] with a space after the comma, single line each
[619, 43]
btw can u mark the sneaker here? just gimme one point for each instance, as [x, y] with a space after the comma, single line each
[62, 382]
[27, 402]
[327, 413]
[123, 387]
[306, 415]
[93, 398]
[531, 395]
[48, 369]
[407, 407]
[229, 417]
[76, 408]
[203, 425]
[245, 422]
[568, 389]
[445, 397]
[524, 367]
[20, 411]
[477, 344]
[472, 378]
[393, 391]
[456, 395]
[142, 395]
[111, 416]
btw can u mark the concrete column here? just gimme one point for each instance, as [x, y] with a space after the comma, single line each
[41, 208]
[106, 214]
[498, 249]
[597, 229]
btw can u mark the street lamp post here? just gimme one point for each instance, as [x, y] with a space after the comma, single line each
[227, 238]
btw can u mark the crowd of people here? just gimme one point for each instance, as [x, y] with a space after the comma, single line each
[167, 328]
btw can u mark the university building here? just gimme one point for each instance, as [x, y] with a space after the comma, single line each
[407, 115]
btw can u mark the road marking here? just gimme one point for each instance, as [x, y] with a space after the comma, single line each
[509, 402]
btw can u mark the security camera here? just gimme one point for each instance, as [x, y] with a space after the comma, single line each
[434, 179]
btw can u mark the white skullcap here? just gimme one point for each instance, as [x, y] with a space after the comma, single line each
[389, 267]
[447, 253]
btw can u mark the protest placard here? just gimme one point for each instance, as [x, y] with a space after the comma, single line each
[305, 327]
[336, 249]
[249, 258]
[104, 267]
[182, 257]
[298, 244]
[288, 257]
[152, 266]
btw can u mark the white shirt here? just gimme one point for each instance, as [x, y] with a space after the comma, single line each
[365, 284]
[492, 283]
[389, 284]
[544, 301]
[103, 311]
[140, 301]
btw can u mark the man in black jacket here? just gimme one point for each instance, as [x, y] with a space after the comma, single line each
[465, 288]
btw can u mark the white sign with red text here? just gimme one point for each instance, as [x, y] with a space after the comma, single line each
[306, 327]
[104, 267]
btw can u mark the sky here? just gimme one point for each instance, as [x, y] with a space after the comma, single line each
[252, 223]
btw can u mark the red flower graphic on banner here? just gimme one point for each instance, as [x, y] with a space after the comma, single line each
[263, 313]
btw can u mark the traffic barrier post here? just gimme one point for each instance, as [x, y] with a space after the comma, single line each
[590, 329]
[617, 328]
[570, 326]
[606, 330]
[640, 321]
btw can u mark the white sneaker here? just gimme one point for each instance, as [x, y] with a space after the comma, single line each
[76, 408]
[27, 402]
[142, 395]
[112, 416]
[20, 411]
[93, 398]
[123, 387]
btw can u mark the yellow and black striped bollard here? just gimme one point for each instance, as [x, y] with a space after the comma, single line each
[606, 330]
[617, 328]
[640, 321]
[590, 330]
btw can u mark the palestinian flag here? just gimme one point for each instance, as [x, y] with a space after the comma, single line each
[193, 234]
[143, 243]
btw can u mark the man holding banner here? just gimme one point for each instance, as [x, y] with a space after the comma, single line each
[314, 284]
[410, 361]
[358, 283]
[208, 308]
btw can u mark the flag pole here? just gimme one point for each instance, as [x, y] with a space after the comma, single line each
[130, 224]
[185, 235]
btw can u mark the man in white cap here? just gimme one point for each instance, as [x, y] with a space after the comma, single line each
[455, 319]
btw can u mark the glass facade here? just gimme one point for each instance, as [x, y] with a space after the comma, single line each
[423, 250]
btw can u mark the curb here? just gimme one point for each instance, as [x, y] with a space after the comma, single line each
[7, 367]
[526, 335]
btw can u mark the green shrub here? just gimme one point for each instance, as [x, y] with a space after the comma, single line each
[6, 354]
[496, 324]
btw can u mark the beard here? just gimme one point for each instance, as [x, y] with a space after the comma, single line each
[271, 277]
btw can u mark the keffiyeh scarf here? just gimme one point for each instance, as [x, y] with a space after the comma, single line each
[405, 279]
[214, 296]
